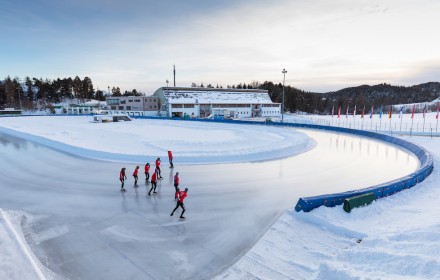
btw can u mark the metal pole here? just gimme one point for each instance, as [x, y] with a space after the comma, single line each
[174, 72]
[282, 105]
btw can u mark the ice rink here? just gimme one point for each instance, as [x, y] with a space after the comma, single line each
[79, 226]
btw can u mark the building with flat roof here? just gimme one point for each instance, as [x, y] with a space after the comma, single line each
[134, 105]
[214, 102]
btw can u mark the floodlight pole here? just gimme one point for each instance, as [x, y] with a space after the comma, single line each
[282, 105]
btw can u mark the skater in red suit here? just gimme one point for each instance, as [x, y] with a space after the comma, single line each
[153, 183]
[135, 175]
[176, 184]
[170, 158]
[181, 195]
[122, 178]
[159, 176]
[147, 172]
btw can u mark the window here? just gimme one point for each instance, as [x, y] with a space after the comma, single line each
[112, 101]
[113, 107]
[120, 107]
[188, 105]
[137, 100]
[123, 102]
[129, 108]
[130, 100]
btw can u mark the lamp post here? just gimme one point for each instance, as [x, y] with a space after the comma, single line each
[282, 105]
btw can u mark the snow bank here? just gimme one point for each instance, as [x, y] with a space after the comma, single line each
[191, 142]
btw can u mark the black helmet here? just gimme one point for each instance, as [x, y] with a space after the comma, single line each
[186, 189]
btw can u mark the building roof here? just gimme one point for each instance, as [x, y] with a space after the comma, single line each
[217, 96]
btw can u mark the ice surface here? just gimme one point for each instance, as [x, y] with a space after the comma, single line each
[89, 230]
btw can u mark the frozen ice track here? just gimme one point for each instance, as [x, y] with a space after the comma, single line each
[109, 235]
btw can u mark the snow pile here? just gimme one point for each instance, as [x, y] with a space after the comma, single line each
[394, 238]
[191, 142]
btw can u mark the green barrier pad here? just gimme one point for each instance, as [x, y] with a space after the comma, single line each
[358, 201]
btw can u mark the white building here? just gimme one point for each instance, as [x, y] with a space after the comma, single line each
[213, 102]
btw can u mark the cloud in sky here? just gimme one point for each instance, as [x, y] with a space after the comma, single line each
[324, 45]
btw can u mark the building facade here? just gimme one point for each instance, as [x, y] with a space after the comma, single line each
[134, 105]
[216, 103]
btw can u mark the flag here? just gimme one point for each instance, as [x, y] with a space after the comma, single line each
[438, 109]
[413, 110]
[333, 110]
[339, 112]
[346, 113]
[400, 112]
[380, 113]
[354, 111]
[390, 113]
[424, 111]
[371, 114]
[363, 112]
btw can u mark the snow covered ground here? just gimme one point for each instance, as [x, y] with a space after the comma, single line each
[191, 142]
[394, 238]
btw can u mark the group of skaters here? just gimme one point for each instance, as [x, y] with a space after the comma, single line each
[178, 195]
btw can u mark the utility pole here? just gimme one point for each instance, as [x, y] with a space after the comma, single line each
[282, 105]
[174, 72]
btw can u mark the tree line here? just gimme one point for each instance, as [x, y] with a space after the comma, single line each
[29, 92]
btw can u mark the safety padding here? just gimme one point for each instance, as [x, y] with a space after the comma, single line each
[358, 201]
[426, 167]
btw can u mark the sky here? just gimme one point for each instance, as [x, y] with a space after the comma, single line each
[133, 44]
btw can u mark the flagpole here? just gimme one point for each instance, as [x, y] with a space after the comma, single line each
[401, 118]
[437, 125]
[424, 109]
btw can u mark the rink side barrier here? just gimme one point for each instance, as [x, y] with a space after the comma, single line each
[307, 204]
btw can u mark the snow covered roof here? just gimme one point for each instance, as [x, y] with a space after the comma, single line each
[212, 95]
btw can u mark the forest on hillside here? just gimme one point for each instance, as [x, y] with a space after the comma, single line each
[28, 92]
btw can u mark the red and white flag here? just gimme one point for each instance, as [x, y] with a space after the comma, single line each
[363, 112]
[354, 111]
[438, 109]
[339, 111]
[413, 110]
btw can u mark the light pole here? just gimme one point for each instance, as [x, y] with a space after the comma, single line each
[167, 82]
[282, 105]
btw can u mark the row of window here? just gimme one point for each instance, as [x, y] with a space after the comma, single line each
[129, 108]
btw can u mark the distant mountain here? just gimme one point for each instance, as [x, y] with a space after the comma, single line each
[381, 95]
[390, 94]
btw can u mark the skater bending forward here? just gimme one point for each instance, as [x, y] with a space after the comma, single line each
[181, 196]
[122, 178]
